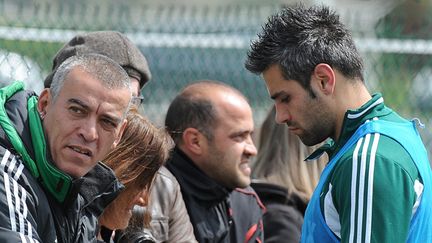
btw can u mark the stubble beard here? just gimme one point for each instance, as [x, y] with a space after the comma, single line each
[320, 124]
[223, 176]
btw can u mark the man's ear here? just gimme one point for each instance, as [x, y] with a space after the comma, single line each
[120, 134]
[193, 140]
[324, 78]
[44, 100]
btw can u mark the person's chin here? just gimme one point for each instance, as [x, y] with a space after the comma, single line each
[244, 181]
[123, 225]
[74, 171]
[76, 166]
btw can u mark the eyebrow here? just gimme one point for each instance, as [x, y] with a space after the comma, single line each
[78, 102]
[277, 94]
[114, 119]
[241, 132]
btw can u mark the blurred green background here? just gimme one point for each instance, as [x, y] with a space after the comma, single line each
[188, 40]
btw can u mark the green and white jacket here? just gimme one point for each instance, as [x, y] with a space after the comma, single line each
[349, 208]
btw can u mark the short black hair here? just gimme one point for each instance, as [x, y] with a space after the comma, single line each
[186, 111]
[299, 38]
[192, 108]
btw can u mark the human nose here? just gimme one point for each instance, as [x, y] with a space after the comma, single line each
[282, 114]
[89, 131]
[250, 148]
[141, 199]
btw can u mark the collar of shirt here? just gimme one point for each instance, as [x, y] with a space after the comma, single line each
[353, 119]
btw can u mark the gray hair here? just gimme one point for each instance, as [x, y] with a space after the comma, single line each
[110, 74]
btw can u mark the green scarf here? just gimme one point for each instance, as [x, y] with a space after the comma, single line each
[54, 180]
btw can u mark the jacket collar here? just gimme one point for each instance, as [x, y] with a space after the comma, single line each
[99, 188]
[194, 181]
[16, 109]
[269, 192]
[353, 119]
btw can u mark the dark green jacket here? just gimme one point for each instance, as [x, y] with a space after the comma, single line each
[373, 192]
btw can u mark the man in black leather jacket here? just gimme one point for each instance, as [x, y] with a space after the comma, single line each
[211, 124]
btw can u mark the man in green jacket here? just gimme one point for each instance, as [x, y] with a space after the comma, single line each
[377, 185]
[49, 143]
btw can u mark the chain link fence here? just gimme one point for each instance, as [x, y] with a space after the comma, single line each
[184, 42]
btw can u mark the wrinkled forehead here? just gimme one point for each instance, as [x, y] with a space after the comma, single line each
[92, 93]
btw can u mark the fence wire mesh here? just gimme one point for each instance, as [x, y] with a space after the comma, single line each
[184, 42]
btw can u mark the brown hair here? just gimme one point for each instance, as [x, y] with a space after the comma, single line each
[280, 159]
[142, 150]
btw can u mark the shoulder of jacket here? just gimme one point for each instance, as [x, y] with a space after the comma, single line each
[164, 176]
[247, 193]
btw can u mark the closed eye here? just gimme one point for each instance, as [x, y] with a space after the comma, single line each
[281, 97]
[285, 99]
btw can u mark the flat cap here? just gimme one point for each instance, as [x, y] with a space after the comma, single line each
[111, 44]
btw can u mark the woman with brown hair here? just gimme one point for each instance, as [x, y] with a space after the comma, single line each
[283, 180]
[143, 149]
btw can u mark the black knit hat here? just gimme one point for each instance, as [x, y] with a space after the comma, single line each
[112, 44]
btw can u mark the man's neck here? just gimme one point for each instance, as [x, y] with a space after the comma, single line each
[350, 96]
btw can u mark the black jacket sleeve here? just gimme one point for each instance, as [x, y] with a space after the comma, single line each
[24, 214]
